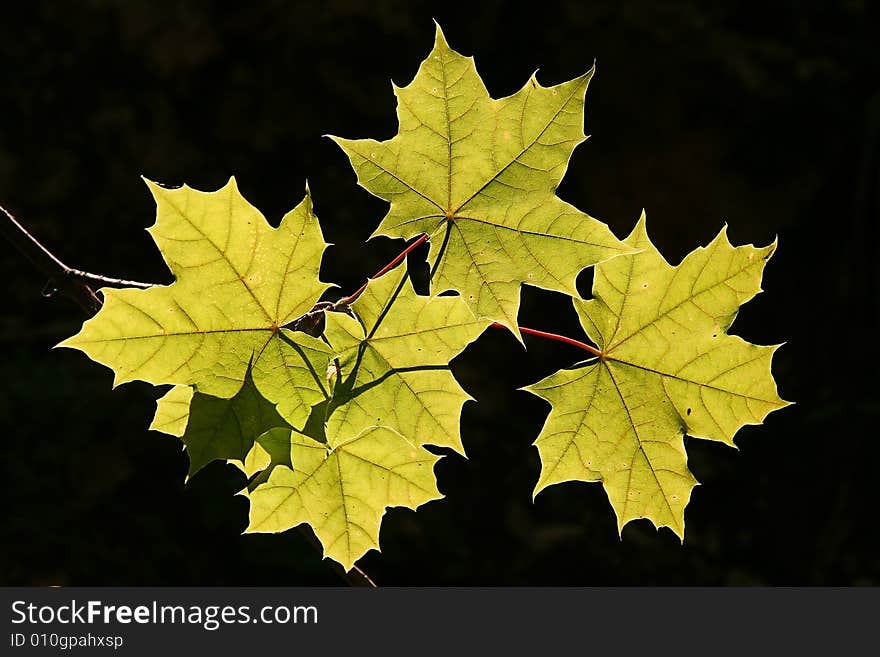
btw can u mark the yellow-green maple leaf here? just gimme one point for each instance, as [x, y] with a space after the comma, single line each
[238, 281]
[668, 367]
[394, 362]
[342, 488]
[479, 175]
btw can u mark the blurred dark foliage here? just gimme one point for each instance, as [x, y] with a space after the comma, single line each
[764, 116]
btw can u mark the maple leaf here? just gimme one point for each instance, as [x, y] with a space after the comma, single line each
[238, 281]
[213, 428]
[668, 367]
[394, 362]
[480, 175]
[342, 488]
[391, 393]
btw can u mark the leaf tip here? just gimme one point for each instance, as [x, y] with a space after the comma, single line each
[347, 564]
[231, 185]
[67, 343]
[513, 327]
[118, 380]
[439, 37]
[586, 78]
[155, 188]
[770, 249]
[638, 234]
[541, 485]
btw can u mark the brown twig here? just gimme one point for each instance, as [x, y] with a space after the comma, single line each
[61, 278]
[107, 280]
[72, 283]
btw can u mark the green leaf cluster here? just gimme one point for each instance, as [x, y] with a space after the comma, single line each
[332, 430]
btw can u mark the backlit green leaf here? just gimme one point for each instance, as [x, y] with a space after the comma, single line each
[342, 488]
[668, 368]
[394, 362]
[238, 281]
[480, 176]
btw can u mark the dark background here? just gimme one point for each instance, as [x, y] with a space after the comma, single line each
[766, 116]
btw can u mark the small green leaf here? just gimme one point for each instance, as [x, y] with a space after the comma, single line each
[668, 368]
[342, 488]
[394, 362]
[480, 176]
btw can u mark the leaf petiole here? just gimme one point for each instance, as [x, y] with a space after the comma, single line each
[554, 336]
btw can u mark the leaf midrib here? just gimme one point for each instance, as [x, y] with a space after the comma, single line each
[697, 383]
[644, 454]
[129, 338]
